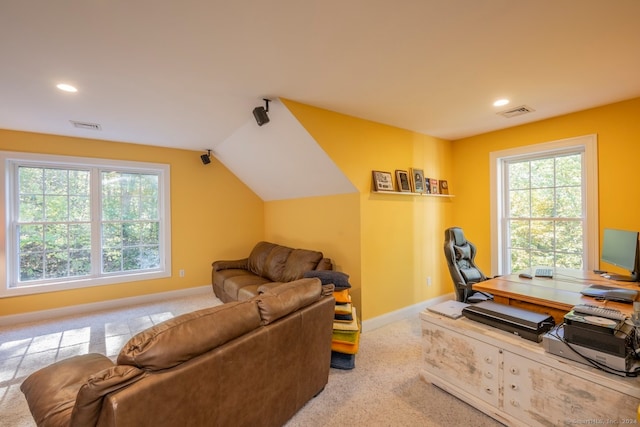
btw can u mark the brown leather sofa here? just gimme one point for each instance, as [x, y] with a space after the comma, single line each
[246, 363]
[238, 280]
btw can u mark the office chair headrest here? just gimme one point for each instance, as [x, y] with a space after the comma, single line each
[458, 236]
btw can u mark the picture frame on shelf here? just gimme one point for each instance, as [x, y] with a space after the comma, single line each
[435, 186]
[417, 180]
[402, 179]
[427, 185]
[382, 181]
[444, 186]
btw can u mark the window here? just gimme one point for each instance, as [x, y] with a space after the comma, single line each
[543, 212]
[75, 222]
[544, 206]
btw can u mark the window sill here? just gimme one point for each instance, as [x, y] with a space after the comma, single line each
[6, 292]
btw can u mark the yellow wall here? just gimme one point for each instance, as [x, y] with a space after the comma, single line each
[388, 244]
[213, 216]
[330, 224]
[618, 129]
[400, 237]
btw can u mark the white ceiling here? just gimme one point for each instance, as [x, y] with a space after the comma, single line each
[188, 73]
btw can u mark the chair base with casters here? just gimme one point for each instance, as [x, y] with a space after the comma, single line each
[460, 255]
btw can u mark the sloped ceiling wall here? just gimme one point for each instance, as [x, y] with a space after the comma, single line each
[280, 160]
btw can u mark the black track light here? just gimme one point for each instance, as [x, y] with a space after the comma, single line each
[206, 158]
[260, 113]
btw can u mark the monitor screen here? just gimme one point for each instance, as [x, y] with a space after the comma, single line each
[619, 247]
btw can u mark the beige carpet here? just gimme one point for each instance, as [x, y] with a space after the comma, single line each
[384, 389]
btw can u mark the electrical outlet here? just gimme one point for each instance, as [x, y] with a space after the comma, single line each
[181, 273]
[428, 280]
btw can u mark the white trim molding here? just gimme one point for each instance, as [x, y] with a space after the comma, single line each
[403, 313]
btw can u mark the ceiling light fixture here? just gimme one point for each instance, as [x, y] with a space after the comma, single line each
[500, 102]
[66, 87]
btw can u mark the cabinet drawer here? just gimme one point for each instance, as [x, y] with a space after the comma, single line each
[543, 395]
[464, 362]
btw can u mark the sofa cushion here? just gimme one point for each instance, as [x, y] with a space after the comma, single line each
[248, 292]
[184, 337]
[298, 262]
[220, 277]
[276, 261]
[278, 301]
[51, 392]
[258, 257]
[325, 264]
[233, 285]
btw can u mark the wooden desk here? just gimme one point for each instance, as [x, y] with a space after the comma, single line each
[555, 296]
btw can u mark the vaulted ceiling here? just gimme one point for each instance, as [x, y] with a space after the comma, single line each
[187, 74]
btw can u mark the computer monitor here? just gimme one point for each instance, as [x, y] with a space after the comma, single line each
[620, 248]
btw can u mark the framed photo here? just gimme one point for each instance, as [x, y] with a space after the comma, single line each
[444, 186]
[427, 185]
[382, 181]
[402, 179]
[417, 180]
[434, 186]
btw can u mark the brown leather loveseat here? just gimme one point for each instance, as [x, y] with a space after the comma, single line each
[238, 280]
[247, 363]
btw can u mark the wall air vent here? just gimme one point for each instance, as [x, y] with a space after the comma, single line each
[86, 125]
[518, 111]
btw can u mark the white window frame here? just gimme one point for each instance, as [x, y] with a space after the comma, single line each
[8, 161]
[587, 143]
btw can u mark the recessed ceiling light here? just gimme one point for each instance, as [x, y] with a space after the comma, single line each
[500, 102]
[66, 87]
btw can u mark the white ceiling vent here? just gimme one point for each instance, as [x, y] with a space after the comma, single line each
[86, 125]
[518, 111]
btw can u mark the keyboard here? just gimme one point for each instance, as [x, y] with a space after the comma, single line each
[592, 310]
[544, 272]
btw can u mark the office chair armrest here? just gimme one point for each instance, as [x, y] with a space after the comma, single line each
[468, 287]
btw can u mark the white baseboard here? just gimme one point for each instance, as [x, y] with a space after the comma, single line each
[35, 316]
[403, 313]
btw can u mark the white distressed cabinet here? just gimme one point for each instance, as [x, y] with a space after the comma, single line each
[516, 382]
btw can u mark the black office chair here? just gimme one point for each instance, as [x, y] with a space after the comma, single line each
[460, 254]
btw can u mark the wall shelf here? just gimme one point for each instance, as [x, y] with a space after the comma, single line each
[407, 193]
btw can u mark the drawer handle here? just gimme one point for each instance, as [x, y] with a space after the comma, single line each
[488, 390]
[515, 371]
[514, 386]
[488, 360]
[515, 403]
[488, 374]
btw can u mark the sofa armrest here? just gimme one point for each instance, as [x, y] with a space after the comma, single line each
[51, 392]
[230, 264]
[89, 399]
